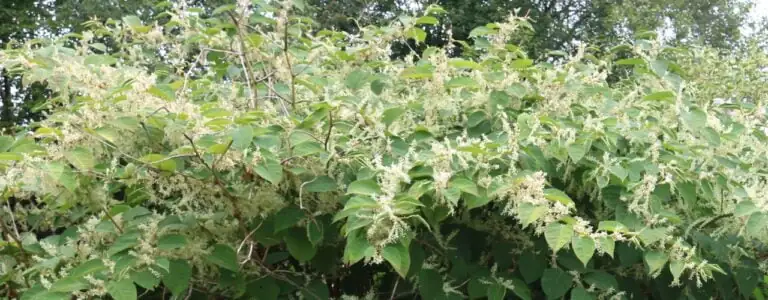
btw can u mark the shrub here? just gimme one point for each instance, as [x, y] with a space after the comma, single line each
[246, 155]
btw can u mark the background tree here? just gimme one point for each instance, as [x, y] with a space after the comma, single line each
[559, 24]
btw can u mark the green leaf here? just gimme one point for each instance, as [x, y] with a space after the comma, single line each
[418, 72]
[391, 115]
[357, 247]
[655, 260]
[756, 224]
[299, 4]
[265, 288]
[288, 217]
[171, 241]
[81, 158]
[521, 63]
[744, 208]
[356, 79]
[584, 247]
[473, 201]
[316, 290]
[125, 241]
[461, 82]
[464, 64]
[577, 152]
[132, 21]
[220, 148]
[555, 283]
[746, 279]
[122, 290]
[69, 284]
[160, 161]
[481, 31]
[531, 266]
[528, 213]
[619, 171]
[145, 279]
[631, 61]
[559, 196]
[99, 60]
[398, 256]
[579, 293]
[177, 279]
[476, 289]
[5, 142]
[602, 280]
[416, 33]
[307, 148]
[223, 256]
[607, 245]
[465, 185]
[428, 20]
[711, 136]
[271, 170]
[162, 91]
[496, 291]
[676, 267]
[558, 235]
[88, 267]
[110, 134]
[695, 119]
[431, 284]
[649, 236]
[242, 137]
[12, 156]
[612, 226]
[521, 289]
[315, 232]
[367, 187]
[377, 86]
[321, 184]
[299, 246]
[659, 96]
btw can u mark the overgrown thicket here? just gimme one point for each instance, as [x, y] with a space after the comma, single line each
[248, 155]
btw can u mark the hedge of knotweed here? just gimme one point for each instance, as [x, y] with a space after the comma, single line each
[244, 154]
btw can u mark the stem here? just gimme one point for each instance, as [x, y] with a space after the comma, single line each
[119, 228]
[290, 68]
[244, 60]
[330, 127]
[264, 257]
[15, 239]
[394, 289]
[217, 180]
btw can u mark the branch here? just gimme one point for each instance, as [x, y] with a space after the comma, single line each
[290, 68]
[119, 228]
[217, 180]
[244, 60]
[394, 289]
[16, 239]
[330, 127]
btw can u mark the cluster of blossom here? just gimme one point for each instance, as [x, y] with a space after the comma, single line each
[387, 226]
[145, 252]
[529, 189]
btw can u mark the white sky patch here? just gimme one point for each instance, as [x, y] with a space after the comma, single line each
[759, 11]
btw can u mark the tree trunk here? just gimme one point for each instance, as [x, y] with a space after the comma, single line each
[7, 119]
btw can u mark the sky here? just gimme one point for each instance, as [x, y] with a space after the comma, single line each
[761, 9]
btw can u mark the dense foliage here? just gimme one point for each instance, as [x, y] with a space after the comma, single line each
[559, 26]
[250, 155]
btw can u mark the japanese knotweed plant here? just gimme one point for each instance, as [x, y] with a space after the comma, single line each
[244, 153]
